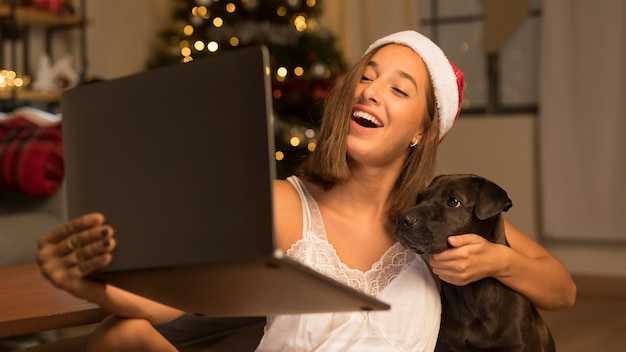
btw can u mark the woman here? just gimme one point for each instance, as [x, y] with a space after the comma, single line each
[376, 151]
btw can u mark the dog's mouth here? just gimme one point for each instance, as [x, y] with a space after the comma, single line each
[408, 240]
[365, 119]
[418, 242]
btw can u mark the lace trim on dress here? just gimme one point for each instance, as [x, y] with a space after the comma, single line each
[314, 250]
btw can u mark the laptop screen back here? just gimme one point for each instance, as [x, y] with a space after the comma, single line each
[180, 160]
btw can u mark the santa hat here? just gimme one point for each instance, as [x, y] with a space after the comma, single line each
[446, 77]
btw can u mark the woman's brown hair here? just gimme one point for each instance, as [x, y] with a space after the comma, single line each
[328, 165]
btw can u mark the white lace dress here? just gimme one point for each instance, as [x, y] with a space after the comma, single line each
[400, 278]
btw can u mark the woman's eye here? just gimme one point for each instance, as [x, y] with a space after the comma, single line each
[365, 78]
[400, 92]
[454, 202]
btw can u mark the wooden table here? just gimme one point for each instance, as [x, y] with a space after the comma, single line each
[29, 303]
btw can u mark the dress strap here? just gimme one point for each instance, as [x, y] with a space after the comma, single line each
[306, 212]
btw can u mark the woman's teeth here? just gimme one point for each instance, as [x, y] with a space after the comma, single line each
[366, 120]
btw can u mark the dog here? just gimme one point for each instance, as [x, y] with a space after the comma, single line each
[485, 315]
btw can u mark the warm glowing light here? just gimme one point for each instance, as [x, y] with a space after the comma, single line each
[280, 155]
[267, 70]
[281, 11]
[311, 3]
[311, 146]
[230, 7]
[185, 51]
[281, 72]
[202, 11]
[188, 30]
[187, 59]
[199, 45]
[183, 44]
[18, 82]
[234, 41]
[310, 133]
[298, 71]
[294, 141]
[212, 46]
[300, 23]
[277, 94]
[218, 22]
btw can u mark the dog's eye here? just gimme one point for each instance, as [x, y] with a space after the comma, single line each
[454, 202]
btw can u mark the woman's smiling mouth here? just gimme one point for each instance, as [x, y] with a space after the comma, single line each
[365, 119]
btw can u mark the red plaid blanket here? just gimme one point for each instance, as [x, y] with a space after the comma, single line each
[31, 157]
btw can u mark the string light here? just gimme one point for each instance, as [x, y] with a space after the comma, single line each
[300, 23]
[218, 22]
[12, 79]
[199, 45]
[230, 7]
[281, 74]
[202, 11]
[188, 30]
[212, 46]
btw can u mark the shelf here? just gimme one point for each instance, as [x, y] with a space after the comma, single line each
[31, 16]
[30, 95]
[15, 21]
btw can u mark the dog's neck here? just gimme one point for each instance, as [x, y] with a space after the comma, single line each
[426, 259]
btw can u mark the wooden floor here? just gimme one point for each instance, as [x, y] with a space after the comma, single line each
[597, 322]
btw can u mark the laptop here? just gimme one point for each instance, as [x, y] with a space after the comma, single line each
[181, 161]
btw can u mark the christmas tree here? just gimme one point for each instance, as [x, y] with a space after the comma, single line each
[304, 62]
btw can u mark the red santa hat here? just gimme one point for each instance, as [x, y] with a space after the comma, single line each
[447, 79]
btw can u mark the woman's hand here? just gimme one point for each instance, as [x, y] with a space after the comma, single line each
[525, 266]
[472, 258]
[74, 250]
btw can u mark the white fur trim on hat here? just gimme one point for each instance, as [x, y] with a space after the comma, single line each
[441, 73]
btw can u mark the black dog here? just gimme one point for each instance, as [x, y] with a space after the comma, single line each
[485, 315]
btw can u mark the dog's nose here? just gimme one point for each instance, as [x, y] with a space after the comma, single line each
[407, 220]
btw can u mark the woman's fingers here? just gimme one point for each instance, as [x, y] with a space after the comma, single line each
[86, 255]
[76, 249]
[76, 225]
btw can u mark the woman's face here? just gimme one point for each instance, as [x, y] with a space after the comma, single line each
[389, 107]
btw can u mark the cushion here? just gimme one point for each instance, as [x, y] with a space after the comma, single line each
[31, 157]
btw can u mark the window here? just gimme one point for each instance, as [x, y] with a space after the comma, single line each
[502, 82]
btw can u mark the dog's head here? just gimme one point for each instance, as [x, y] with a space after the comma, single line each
[453, 205]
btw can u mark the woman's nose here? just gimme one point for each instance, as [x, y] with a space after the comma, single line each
[371, 93]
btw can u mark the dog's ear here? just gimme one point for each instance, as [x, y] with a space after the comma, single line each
[491, 201]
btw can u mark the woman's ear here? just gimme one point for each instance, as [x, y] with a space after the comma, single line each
[416, 139]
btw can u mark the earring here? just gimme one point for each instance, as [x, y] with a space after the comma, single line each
[413, 144]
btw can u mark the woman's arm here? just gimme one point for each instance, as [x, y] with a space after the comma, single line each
[525, 266]
[82, 246]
